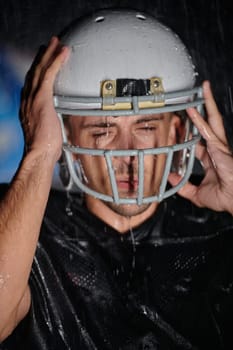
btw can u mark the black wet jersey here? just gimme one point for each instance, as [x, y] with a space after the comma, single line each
[166, 284]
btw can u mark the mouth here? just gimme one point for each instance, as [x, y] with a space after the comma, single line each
[127, 185]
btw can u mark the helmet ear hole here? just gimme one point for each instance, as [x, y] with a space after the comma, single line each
[64, 171]
[183, 134]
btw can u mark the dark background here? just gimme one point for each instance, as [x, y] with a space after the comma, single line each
[206, 27]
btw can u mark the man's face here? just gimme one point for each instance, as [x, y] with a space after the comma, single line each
[124, 133]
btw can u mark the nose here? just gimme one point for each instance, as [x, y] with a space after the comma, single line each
[125, 142]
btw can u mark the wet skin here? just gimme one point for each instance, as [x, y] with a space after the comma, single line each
[111, 133]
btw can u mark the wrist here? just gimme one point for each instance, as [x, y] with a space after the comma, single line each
[48, 155]
[35, 159]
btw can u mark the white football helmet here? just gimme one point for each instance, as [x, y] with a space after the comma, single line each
[126, 63]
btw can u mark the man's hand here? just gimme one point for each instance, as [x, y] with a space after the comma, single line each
[38, 117]
[216, 189]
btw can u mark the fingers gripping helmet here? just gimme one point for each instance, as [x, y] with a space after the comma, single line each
[126, 63]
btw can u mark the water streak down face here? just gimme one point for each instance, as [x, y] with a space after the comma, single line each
[123, 133]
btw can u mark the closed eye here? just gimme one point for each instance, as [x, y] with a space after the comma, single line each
[101, 133]
[98, 132]
[148, 128]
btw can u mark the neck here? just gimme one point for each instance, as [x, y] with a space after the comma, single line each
[120, 222]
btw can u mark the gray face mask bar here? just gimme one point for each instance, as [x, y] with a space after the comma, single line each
[86, 106]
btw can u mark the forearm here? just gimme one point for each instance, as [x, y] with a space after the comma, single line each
[22, 209]
[21, 214]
